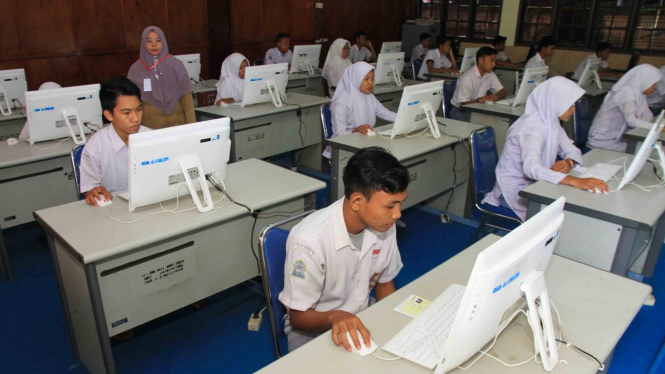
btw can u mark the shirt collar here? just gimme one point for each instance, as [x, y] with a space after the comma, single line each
[540, 58]
[116, 142]
[477, 72]
[342, 238]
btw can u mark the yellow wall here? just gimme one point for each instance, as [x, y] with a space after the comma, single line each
[509, 13]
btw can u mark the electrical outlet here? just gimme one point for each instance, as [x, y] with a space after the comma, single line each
[254, 323]
[319, 5]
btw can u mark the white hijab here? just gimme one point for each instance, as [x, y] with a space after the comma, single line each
[546, 103]
[335, 62]
[230, 85]
[348, 94]
[631, 87]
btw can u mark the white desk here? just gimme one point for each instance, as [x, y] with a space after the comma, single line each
[637, 136]
[306, 84]
[430, 161]
[610, 232]
[109, 273]
[11, 124]
[433, 77]
[596, 309]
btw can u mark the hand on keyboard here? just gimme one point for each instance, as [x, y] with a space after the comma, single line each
[342, 322]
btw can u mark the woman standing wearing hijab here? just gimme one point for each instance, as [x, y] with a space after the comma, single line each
[166, 89]
[625, 106]
[532, 146]
[232, 79]
[336, 63]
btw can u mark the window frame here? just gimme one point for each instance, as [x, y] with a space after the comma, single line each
[471, 22]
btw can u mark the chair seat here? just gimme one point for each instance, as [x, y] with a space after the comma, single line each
[500, 210]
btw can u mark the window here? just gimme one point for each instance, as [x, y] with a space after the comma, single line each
[611, 23]
[458, 14]
[486, 20]
[465, 19]
[650, 31]
[431, 9]
[537, 20]
[573, 22]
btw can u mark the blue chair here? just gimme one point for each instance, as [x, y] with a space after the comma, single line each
[272, 249]
[416, 68]
[76, 164]
[581, 123]
[484, 159]
[326, 121]
[448, 92]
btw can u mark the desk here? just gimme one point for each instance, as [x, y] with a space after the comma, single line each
[596, 309]
[390, 95]
[11, 124]
[497, 116]
[429, 161]
[433, 77]
[111, 275]
[636, 136]
[306, 84]
[263, 130]
[205, 95]
[506, 75]
[610, 232]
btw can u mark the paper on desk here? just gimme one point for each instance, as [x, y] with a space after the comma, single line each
[412, 306]
[579, 169]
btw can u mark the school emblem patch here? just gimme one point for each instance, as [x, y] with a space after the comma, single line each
[299, 269]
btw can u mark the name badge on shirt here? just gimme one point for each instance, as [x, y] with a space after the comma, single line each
[375, 254]
[147, 85]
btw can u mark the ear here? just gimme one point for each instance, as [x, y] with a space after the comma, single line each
[356, 200]
[108, 115]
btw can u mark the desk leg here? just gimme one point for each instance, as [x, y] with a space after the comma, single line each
[100, 319]
[607, 363]
[532, 209]
[63, 296]
[655, 248]
[621, 263]
[632, 145]
[4, 259]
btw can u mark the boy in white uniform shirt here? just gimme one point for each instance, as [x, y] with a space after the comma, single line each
[439, 60]
[603, 51]
[473, 85]
[104, 160]
[280, 54]
[545, 48]
[422, 48]
[336, 256]
[363, 50]
[502, 59]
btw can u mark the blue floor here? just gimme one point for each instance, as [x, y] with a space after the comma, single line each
[34, 336]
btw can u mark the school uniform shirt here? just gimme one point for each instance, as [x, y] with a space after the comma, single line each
[440, 62]
[501, 56]
[274, 56]
[104, 161]
[657, 99]
[471, 85]
[325, 271]
[363, 54]
[418, 51]
[535, 62]
[580, 68]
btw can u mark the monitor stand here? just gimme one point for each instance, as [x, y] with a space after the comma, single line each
[3, 97]
[534, 288]
[396, 75]
[310, 68]
[71, 117]
[430, 116]
[596, 78]
[661, 157]
[194, 162]
[274, 93]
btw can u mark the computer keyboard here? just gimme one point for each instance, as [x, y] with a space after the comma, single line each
[506, 101]
[601, 171]
[416, 340]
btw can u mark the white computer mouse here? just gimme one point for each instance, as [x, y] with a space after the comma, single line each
[364, 351]
[489, 102]
[223, 104]
[371, 133]
[103, 202]
[12, 141]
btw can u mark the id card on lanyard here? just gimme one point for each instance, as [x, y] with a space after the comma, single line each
[147, 84]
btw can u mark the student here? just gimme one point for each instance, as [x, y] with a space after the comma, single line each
[231, 80]
[533, 144]
[336, 63]
[164, 83]
[474, 84]
[363, 49]
[281, 53]
[104, 163]
[624, 107]
[603, 51]
[422, 48]
[537, 55]
[657, 99]
[439, 60]
[25, 131]
[502, 59]
[337, 255]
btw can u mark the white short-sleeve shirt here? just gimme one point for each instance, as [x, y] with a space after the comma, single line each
[418, 51]
[471, 85]
[104, 161]
[440, 62]
[501, 56]
[274, 56]
[535, 62]
[363, 54]
[582, 65]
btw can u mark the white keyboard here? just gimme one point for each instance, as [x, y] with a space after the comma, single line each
[506, 101]
[601, 171]
[437, 319]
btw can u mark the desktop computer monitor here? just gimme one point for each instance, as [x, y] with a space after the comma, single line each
[264, 83]
[54, 114]
[12, 90]
[305, 58]
[531, 78]
[389, 68]
[161, 161]
[591, 74]
[642, 155]
[417, 109]
[193, 65]
[469, 59]
[391, 47]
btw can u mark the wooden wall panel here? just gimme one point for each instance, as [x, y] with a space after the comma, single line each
[246, 22]
[65, 71]
[253, 51]
[13, 64]
[219, 34]
[139, 14]
[100, 67]
[10, 42]
[303, 20]
[47, 29]
[187, 23]
[95, 31]
[276, 17]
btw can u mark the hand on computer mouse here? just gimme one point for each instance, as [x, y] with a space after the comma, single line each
[342, 322]
[363, 129]
[97, 193]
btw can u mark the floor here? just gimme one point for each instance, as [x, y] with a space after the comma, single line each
[34, 336]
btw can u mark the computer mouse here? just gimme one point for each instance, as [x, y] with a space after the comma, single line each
[223, 104]
[371, 133]
[596, 190]
[103, 202]
[12, 141]
[364, 351]
[489, 102]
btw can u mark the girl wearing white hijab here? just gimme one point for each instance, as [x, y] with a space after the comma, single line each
[657, 99]
[336, 63]
[232, 79]
[625, 106]
[532, 146]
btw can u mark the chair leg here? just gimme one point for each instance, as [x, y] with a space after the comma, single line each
[480, 229]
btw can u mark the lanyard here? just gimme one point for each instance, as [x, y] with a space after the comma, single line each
[155, 65]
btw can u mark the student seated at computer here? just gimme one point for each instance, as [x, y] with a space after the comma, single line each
[281, 53]
[603, 51]
[657, 99]
[477, 85]
[536, 57]
[337, 255]
[164, 83]
[25, 131]
[502, 59]
[336, 63]
[363, 50]
[624, 107]
[533, 144]
[439, 60]
[231, 82]
[419, 51]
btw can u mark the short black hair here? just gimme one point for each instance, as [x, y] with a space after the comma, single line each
[603, 46]
[484, 52]
[374, 169]
[545, 42]
[281, 36]
[443, 39]
[114, 87]
[424, 36]
[499, 40]
[358, 34]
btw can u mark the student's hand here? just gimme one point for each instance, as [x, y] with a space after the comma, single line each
[363, 129]
[563, 166]
[490, 98]
[368, 44]
[587, 184]
[228, 101]
[342, 322]
[97, 193]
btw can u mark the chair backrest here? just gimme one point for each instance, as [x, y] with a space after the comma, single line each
[259, 62]
[76, 166]
[272, 249]
[484, 159]
[416, 68]
[448, 92]
[326, 120]
[581, 122]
